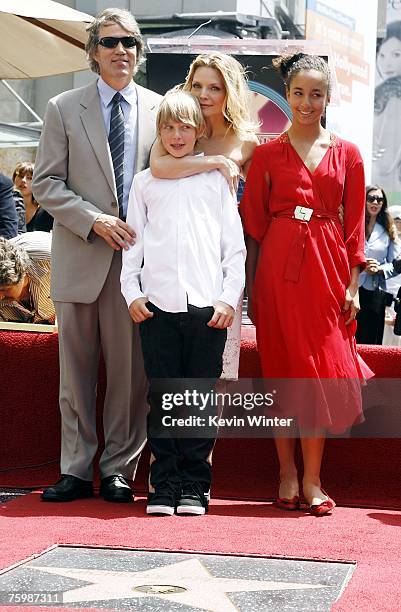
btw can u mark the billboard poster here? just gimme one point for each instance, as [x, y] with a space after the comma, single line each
[351, 34]
[268, 102]
[393, 10]
[386, 166]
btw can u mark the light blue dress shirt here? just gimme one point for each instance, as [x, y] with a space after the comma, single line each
[129, 106]
[380, 247]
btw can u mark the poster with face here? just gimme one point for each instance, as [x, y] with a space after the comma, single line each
[351, 33]
[386, 158]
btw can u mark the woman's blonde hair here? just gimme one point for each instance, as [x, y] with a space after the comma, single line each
[236, 104]
[179, 105]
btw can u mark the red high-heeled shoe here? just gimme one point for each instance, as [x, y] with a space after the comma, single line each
[324, 507]
[288, 504]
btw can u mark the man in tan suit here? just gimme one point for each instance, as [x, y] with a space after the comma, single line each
[94, 140]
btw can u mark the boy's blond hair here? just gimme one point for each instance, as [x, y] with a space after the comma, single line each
[178, 105]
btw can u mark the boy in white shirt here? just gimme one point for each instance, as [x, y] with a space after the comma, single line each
[182, 280]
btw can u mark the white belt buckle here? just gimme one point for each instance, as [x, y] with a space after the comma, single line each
[302, 213]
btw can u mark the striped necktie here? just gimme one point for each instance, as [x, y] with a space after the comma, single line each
[116, 143]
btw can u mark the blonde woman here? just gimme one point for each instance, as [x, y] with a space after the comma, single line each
[219, 83]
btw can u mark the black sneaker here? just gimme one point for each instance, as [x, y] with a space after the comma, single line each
[163, 500]
[193, 499]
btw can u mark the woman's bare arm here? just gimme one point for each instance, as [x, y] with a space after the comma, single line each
[166, 166]
[249, 148]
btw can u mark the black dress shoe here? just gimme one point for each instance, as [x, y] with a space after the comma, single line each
[116, 489]
[68, 488]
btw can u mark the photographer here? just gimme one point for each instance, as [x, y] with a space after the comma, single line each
[25, 279]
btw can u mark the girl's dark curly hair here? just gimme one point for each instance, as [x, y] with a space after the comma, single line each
[289, 65]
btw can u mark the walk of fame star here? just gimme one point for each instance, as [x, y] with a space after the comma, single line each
[202, 590]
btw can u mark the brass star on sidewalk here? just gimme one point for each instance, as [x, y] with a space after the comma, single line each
[199, 588]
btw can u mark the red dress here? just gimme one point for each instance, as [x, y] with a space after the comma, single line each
[303, 272]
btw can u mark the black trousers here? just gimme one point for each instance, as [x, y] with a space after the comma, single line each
[370, 321]
[180, 346]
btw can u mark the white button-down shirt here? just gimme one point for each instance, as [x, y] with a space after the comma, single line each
[189, 239]
[129, 107]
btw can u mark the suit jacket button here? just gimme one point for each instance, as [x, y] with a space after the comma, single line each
[114, 204]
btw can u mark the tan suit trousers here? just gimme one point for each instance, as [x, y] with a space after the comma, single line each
[84, 330]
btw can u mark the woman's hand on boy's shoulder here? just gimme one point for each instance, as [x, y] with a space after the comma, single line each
[223, 316]
[229, 169]
[138, 310]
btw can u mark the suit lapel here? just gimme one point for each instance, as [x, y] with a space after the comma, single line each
[93, 122]
[146, 129]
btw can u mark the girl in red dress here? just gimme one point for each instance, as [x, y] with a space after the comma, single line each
[303, 267]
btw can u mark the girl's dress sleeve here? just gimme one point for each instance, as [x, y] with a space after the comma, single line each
[254, 207]
[354, 207]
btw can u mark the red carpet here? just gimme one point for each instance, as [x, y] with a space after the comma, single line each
[356, 472]
[371, 538]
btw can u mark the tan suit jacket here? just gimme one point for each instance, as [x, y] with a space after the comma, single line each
[74, 181]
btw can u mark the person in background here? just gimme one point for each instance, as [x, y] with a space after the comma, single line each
[94, 140]
[302, 275]
[8, 213]
[25, 265]
[393, 286]
[20, 208]
[381, 248]
[35, 218]
[395, 212]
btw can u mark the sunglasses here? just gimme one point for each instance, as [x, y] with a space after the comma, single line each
[111, 42]
[374, 198]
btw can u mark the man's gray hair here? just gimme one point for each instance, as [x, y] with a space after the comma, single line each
[14, 262]
[122, 18]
